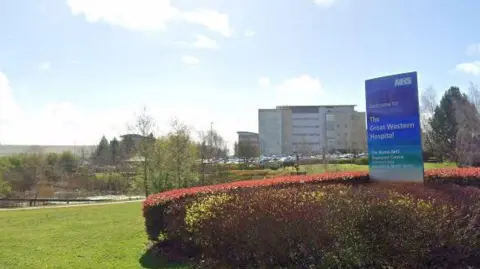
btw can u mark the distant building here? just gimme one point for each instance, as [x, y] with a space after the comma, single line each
[311, 129]
[136, 138]
[248, 137]
[129, 143]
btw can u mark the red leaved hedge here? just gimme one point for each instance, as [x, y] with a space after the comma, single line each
[170, 213]
[164, 212]
[284, 181]
[460, 176]
[382, 225]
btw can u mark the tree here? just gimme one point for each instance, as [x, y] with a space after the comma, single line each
[428, 103]
[474, 95]
[5, 187]
[235, 149]
[102, 153]
[145, 126]
[304, 148]
[216, 144]
[182, 154]
[247, 150]
[34, 169]
[468, 134]
[114, 150]
[159, 173]
[67, 162]
[203, 155]
[444, 124]
[354, 150]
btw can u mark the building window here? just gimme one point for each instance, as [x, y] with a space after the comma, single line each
[304, 143]
[304, 134]
[294, 119]
[331, 143]
[330, 126]
[306, 126]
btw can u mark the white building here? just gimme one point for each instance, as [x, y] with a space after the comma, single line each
[270, 131]
[311, 129]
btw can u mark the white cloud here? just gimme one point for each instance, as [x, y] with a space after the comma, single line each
[301, 90]
[147, 15]
[301, 84]
[45, 66]
[264, 82]
[250, 33]
[213, 20]
[190, 60]
[9, 109]
[202, 41]
[473, 50]
[324, 3]
[66, 123]
[60, 123]
[472, 68]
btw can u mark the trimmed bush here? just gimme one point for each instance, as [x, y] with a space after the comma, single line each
[460, 176]
[164, 212]
[301, 221]
[331, 226]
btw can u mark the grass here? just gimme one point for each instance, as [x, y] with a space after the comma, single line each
[103, 236]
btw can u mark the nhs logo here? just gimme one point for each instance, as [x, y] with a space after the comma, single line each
[403, 81]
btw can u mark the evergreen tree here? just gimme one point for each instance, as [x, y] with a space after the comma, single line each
[444, 124]
[102, 154]
[114, 150]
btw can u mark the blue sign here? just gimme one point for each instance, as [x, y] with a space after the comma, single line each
[393, 128]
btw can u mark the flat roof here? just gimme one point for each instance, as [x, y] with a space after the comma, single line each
[247, 132]
[267, 109]
[319, 106]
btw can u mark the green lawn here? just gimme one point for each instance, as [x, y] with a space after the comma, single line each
[320, 168]
[102, 236]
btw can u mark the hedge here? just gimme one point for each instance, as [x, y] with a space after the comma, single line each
[303, 222]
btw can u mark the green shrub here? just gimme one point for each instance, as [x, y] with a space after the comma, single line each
[362, 161]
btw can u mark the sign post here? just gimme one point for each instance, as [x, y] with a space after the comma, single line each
[393, 128]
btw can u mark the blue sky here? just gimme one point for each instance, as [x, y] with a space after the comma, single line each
[73, 70]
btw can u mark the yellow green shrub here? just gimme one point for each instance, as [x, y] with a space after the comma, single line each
[201, 209]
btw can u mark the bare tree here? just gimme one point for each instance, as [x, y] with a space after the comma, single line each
[474, 95]
[468, 133]
[428, 103]
[354, 150]
[144, 126]
[305, 148]
[34, 172]
[203, 154]
[216, 144]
